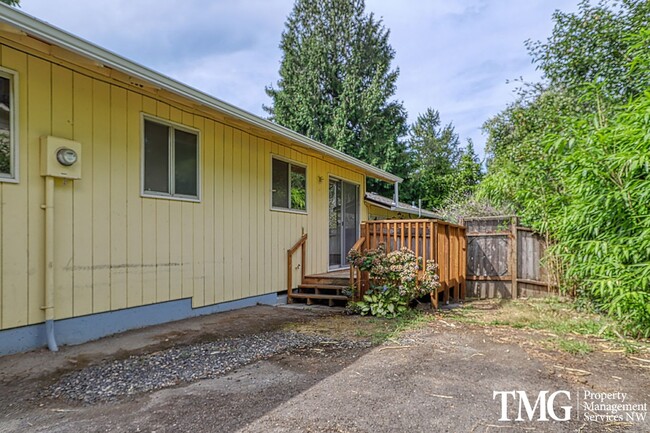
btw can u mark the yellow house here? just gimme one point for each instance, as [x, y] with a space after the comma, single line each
[129, 199]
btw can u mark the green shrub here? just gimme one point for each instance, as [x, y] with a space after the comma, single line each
[394, 281]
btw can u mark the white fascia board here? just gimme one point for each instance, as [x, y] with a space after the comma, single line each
[56, 36]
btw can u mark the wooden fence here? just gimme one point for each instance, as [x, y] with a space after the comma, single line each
[428, 239]
[504, 260]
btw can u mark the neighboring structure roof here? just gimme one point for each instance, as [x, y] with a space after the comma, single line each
[53, 35]
[388, 203]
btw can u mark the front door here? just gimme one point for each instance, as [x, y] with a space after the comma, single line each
[343, 220]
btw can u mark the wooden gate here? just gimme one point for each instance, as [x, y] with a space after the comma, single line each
[504, 260]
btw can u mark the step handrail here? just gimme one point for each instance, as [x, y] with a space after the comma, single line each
[303, 258]
[356, 247]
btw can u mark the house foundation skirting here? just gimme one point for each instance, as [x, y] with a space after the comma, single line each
[79, 330]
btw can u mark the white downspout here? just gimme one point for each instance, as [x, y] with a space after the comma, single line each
[396, 194]
[49, 264]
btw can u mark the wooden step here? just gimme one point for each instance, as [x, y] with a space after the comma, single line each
[312, 296]
[326, 280]
[315, 296]
[323, 286]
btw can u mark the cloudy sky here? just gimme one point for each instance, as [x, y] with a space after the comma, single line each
[454, 55]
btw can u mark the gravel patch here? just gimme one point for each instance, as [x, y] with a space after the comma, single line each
[143, 373]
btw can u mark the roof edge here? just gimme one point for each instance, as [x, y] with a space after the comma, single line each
[56, 36]
[399, 207]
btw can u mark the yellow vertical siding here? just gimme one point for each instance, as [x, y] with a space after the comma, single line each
[226, 226]
[118, 189]
[163, 263]
[14, 210]
[187, 230]
[273, 232]
[149, 224]
[220, 213]
[116, 249]
[101, 197]
[233, 244]
[260, 213]
[198, 253]
[134, 226]
[245, 217]
[253, 212]
[37, 83]
[207, 234]
[63, 191]
[162, 215]
[176, 232]
[83, 197]
[267, 228]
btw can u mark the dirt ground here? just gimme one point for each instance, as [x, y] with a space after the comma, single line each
[440, 377]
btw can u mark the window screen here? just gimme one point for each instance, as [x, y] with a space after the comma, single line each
[171, 160]
[280, 183]
[289, 185]
[156, 157]
[185, 163]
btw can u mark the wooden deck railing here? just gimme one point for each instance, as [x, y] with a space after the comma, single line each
[353, 271]
[429, 239]
[303, 253]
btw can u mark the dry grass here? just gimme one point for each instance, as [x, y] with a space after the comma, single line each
[565, 327]
[555, 323]
[377, 330]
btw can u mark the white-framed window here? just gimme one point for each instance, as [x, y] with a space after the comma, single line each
[8, 127]
[289, 185]
[170, 162]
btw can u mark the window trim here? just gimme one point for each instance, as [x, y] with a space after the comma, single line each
[297, 164]
[173, 126]
[14, 110]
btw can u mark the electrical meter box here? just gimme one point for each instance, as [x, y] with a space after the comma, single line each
[60, 158]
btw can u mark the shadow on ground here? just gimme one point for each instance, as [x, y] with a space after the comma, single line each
[224, 403]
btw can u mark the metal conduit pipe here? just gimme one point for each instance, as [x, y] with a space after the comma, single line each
[49, 264]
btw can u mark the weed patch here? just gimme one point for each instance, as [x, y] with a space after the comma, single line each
[558, 316]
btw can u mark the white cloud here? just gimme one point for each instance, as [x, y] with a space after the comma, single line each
[454, 56]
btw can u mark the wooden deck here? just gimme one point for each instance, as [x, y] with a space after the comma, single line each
[438, 241]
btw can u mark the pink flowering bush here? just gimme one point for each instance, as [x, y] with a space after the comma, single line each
[394, 282]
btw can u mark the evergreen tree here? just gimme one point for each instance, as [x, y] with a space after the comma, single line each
[336, 82]
[434, 152]
[11, 2]
[467, 174]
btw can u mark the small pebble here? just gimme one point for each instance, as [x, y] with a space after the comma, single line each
[143, 373]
